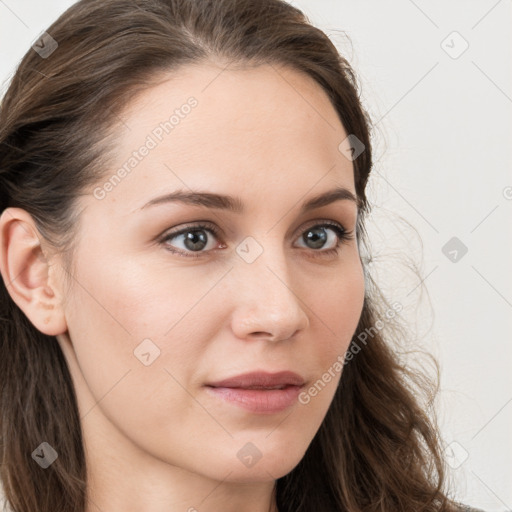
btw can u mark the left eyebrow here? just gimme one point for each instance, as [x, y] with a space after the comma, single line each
[337, 194]
[235, 204]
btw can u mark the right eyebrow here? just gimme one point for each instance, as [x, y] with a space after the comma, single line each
[206, 199]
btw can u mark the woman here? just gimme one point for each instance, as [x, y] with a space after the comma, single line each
[187, 319]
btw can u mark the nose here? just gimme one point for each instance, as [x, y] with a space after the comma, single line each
[266, 304]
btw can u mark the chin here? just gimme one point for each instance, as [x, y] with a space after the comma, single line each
[266, 470]
[268, 462]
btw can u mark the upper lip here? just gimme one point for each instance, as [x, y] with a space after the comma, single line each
[260, 379]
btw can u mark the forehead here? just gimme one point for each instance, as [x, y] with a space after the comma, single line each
[263, 89]
[205, 126]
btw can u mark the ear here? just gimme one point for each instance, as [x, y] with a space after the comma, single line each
[26, 272]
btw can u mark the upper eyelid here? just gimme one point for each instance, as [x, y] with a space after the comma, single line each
[207, 225]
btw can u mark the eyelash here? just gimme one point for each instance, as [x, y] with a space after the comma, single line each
[343, 236]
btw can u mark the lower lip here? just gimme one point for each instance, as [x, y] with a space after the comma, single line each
[263, 401]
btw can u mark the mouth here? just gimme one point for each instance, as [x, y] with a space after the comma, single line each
[258, 387]
[261, 380]
[259, 392]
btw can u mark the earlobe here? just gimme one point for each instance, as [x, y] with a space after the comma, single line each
[26, 272]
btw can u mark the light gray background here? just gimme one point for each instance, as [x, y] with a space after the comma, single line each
[442, 162]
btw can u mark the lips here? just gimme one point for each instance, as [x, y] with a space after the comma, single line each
[259, 392]
[261, 380]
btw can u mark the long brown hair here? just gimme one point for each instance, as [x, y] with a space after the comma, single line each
[378, 448]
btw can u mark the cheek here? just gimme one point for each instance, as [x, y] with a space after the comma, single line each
[128, 318]
[137, 341]
[335, 312]
[135, 299]
[339, 305]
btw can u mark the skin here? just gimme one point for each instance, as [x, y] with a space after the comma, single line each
[155, 439]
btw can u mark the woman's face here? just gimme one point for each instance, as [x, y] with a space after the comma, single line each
[156, 318]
